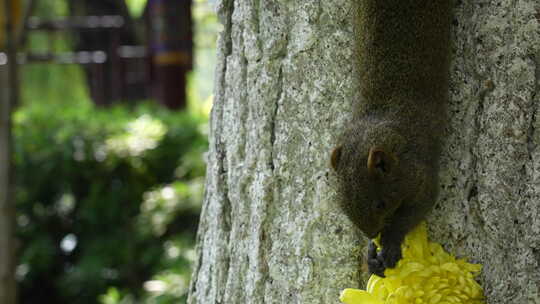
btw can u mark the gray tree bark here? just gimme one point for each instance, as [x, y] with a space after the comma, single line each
[270, 231]
[490, 181]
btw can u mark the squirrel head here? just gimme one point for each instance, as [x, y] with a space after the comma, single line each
[376, 175]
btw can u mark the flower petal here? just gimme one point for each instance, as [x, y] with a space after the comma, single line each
[357, 296]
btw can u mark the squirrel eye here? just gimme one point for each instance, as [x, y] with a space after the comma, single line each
[380, 205]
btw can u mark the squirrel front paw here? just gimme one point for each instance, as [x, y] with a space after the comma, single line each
[374, 260]
[385, 258]
[391, 255]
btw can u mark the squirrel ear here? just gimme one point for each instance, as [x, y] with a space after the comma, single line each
[336, 155]
[380, 163]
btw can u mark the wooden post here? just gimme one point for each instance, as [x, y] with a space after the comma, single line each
[171, 44]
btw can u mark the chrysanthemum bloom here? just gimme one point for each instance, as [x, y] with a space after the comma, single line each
[425, 274]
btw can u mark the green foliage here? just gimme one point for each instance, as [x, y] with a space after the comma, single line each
[136, 7]
[50, 9]
[107, 201]
[205, 33]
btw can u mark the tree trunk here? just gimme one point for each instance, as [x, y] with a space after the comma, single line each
[7, 214]
[488, 207]
[270, 230]
[7, 280]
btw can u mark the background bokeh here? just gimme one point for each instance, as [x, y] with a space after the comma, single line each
[108, 198]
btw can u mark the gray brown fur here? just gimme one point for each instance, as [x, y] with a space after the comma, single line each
[403, 67]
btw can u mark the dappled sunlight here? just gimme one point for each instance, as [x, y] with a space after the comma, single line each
[144, 133]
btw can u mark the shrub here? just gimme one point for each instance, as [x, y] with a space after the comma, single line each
[102, 196]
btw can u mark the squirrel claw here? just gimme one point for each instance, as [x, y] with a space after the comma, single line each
[390, 256]
[385, 258]
[375, 261]
[372, 250]
[376, 266]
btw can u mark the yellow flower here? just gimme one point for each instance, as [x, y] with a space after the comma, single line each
[426, 274]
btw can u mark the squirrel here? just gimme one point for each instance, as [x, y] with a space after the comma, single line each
[386, 161]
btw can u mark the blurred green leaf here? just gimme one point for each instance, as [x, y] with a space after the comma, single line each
[136, 7]
[92, 216]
